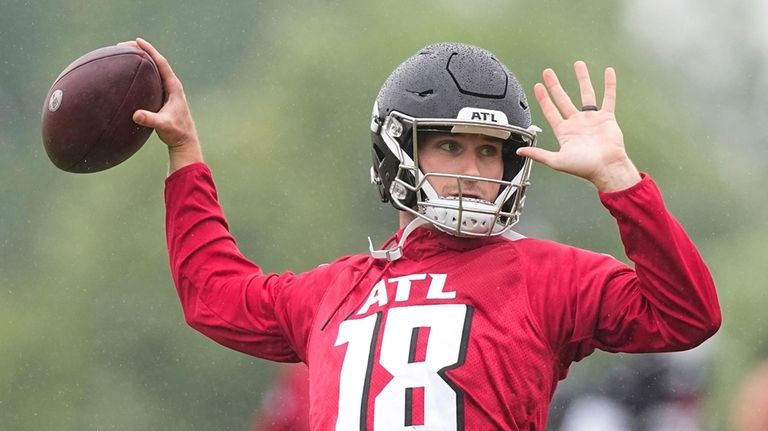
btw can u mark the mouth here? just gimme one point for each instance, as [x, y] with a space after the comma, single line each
[467, 197]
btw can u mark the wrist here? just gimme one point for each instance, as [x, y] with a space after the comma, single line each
[617, 176]
[180, 156]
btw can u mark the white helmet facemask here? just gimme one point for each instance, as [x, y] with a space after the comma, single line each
[459, 215]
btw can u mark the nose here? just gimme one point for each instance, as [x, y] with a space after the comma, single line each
[470, 164]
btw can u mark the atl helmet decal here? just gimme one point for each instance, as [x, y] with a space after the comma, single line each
[483, 115]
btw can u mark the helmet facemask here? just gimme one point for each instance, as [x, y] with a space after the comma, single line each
[410, 189]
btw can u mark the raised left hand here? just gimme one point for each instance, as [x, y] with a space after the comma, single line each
[591, 142]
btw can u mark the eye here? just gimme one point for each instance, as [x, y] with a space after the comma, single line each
[450, 146]
[489, 150]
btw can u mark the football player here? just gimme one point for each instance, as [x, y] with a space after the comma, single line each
[456, 322]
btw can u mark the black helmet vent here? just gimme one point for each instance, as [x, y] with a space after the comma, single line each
[484, 78]
[423, 93]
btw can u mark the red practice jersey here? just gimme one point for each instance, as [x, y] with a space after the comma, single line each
[457, 334]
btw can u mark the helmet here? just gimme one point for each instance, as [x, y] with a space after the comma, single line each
[451, 88]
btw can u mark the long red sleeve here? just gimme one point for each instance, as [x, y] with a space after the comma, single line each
[680, 301]
[667, 303]
[223, 294]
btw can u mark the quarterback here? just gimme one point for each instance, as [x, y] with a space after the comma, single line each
[456, 322]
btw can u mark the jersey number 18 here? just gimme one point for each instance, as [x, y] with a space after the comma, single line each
[447, 326]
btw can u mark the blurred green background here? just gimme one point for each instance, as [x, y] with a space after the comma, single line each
[91, 332]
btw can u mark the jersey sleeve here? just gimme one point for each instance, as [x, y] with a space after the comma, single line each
[667, 302]
[223, 294]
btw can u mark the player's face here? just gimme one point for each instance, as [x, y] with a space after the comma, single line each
[462, 154]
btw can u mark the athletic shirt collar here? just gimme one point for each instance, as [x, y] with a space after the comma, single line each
[425, 242]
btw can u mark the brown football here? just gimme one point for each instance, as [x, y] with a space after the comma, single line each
[87, 119]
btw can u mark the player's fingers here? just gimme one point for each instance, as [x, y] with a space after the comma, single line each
[548, 108]
[170, 81]
[539, 155]
[585, 84]
[560, 97]
[131, 43]
[609, 98]
[163, 66]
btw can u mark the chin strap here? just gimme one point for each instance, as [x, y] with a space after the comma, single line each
[512, 235]
[396, 252]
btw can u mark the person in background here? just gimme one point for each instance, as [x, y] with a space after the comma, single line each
[749, 411]
[285, 405]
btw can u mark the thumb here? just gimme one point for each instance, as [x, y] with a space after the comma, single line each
[145, 118]
[540, 155]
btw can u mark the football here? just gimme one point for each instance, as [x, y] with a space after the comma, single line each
[87, 122]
